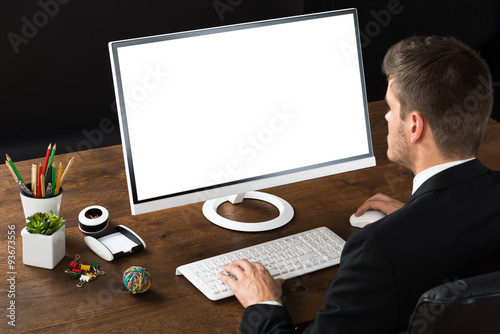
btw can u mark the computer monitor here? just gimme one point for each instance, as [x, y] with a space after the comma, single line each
[230, 110]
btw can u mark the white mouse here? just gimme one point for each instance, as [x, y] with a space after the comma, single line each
[366, 218]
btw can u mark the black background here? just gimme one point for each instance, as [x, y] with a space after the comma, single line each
[55, 73]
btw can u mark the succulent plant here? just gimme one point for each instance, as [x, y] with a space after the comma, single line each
[44, 223]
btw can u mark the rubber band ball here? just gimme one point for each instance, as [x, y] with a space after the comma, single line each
[137, 279]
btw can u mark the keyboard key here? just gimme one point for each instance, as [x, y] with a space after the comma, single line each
[287, 257]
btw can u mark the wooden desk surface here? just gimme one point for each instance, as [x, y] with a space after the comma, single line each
[49, 301]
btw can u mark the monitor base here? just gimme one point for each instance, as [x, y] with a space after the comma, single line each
[285, 212]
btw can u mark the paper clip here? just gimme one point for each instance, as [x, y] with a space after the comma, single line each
[92, 276]
[95, 266]
[74, 264]
[83, 279]
[85, 267]
[75, 275]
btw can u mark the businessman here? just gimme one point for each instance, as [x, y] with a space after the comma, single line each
[440, 97]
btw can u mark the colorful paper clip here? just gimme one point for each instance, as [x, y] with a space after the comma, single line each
[74, 264]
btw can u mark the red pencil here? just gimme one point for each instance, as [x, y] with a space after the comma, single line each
[45, 164]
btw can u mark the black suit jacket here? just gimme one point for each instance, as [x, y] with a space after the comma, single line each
[448, 229]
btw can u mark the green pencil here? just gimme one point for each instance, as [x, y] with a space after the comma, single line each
[52, 156]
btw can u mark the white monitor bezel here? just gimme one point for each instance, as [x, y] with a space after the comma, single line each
[231, 188]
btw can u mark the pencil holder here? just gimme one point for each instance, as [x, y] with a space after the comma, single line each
[32, 205]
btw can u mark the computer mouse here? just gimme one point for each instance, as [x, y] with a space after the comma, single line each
[366, 218]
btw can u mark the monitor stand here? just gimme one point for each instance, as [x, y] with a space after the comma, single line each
[284, 208]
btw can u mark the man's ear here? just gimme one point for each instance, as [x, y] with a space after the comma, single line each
[417, 126]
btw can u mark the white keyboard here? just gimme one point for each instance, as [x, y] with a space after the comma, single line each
[287, 257]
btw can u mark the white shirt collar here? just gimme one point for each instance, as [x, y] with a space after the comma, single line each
[426, 174]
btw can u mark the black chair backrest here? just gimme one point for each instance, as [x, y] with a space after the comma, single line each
[470, 305]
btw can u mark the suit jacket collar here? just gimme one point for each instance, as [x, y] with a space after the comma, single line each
[451, 176]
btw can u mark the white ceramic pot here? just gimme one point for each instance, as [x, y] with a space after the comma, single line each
[44, 251]
[32, 205]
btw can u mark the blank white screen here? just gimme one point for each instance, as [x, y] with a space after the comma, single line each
[217, 108]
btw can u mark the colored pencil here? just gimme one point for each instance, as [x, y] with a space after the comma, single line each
[52, 153]
[45, 163]
[14, 168]
[66, 170]
[59, 175]
[46, 178]
[9, 167]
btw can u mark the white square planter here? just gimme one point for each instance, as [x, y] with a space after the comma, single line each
[44, 251]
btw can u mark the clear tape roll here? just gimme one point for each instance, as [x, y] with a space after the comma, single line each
[93, 219]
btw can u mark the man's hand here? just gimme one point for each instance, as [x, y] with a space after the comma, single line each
[379, 202]
[254, 284]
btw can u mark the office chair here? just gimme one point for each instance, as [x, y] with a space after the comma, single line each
[470, 305]
[466, 306]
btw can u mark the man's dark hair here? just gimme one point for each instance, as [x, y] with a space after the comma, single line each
[449, 84]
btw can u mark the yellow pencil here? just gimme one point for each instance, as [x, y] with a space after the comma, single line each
[59, 176]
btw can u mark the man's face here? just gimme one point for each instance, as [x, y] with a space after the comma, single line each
[397, 139]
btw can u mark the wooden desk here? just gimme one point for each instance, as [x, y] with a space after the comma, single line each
[49, 300]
